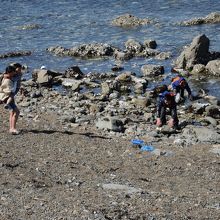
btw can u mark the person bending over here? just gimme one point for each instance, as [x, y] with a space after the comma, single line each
[166, 101]
[178, 86]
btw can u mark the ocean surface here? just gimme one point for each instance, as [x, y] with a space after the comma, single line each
[71, 23]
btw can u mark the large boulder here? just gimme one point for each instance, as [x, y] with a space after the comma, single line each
[15, 54]
[196, 53]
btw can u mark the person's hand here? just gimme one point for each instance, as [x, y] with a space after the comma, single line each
[159, 123]
[190, 97]
[171, 123]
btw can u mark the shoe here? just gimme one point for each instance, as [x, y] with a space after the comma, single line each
[14, 132]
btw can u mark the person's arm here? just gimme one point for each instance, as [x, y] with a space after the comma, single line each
[188, 89]
[189, 92]
[17, 80]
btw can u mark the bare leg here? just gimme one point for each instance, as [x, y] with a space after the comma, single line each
[13, 119]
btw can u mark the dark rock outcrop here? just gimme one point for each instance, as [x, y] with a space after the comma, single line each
[196, 53]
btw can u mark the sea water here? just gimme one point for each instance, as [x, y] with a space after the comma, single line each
[70, 23]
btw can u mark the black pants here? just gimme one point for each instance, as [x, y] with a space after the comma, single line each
[173, 113]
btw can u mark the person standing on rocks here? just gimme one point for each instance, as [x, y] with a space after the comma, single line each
[7, 92]
[167, 100]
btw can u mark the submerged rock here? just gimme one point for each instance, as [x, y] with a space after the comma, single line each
[15, 54]
[94, 50]
[128, 20]
[29, 27]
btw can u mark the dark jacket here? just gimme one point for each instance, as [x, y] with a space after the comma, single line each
[161, 104]
[176, 85]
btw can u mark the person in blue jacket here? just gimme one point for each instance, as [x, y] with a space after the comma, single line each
[166, 100]
[178, 86]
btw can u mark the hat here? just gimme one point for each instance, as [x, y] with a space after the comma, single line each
[43, 68]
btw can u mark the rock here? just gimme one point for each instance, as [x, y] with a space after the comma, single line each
[148, 52]
[213, 111]
[212, 18]
[29, 27]
[128, 20]
[210, 120]
[15, 54]
[213, 67]
[106, 89]
[196, 53]
[110, 123]
[139, 88]
[141, 101]
[216, 149]
[150, 44]
[95, 50]
[200, 134]
[92, 50]
[119, 187]
[117, 68]
[199, 108]
[74, 72]
[24, 104]
[163, 56]
[119, 55]
[212, 99]
[36, 94]
[58, 50]
[133, 46]
[95, 108]
[114, 96]
[198, 69]
[152, 70]
[74, 84]
[124, 77]
[44, 77]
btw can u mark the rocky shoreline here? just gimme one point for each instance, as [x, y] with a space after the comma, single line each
[74, 158]
[120, 103]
